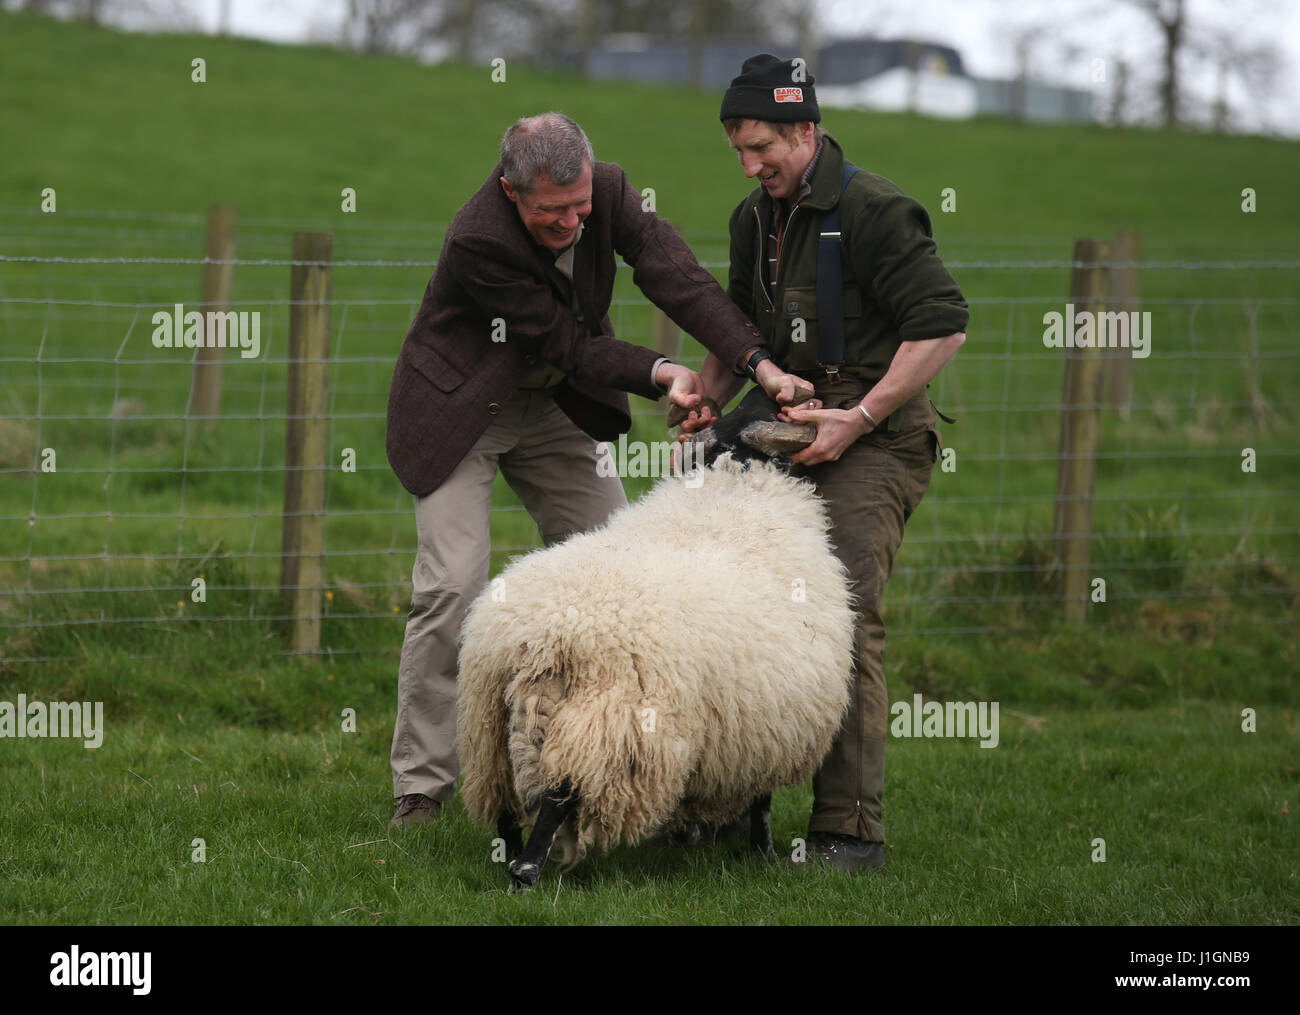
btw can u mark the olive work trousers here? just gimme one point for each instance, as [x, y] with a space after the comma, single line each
[870, 493]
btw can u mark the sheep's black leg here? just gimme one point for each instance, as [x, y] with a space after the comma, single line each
[509, 830]
[526, 869]
[760, 826]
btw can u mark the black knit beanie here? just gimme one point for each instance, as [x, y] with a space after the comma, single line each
[770, 89]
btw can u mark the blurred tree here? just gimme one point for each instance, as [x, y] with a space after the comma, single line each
[1224, 46]
[1119, 91]
[1024, 40]
[1170, 17]
[696, 21]
[456, 28]
[586, 34]
[390, 26]
[170, 13]
[540, 28]
[1204, 53]
[1256, 66]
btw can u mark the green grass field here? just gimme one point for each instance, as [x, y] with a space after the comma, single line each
[1128, 730]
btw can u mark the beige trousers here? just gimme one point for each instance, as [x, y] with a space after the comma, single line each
[551, 465]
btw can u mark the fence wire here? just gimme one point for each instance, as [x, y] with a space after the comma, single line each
[115, 498]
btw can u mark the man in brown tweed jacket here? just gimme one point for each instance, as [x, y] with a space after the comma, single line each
[511, 363]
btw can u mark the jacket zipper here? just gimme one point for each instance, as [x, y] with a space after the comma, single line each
[786, 234]
[762, 250]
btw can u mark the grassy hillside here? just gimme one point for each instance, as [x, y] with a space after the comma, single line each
[115, 122]
[117, 127]
[1128, 729]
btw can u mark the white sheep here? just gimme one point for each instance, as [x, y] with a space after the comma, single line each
[675, 665]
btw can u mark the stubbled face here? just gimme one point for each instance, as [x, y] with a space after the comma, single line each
[777, 163]
[552, 213]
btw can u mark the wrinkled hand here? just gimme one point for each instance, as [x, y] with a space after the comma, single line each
[695, 420]
[836, 430]
[686, 387]
[782, 387]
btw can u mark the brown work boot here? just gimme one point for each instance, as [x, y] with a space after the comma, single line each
[414, 809]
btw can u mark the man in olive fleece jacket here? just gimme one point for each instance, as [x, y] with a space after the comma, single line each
[903, 318]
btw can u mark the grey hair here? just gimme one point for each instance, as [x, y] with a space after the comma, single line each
[550, 145]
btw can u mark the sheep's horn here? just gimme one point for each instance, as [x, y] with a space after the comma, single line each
[774, 439]
[704, 440]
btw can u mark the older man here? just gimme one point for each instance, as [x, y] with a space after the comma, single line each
[511, 363]
[839, 270]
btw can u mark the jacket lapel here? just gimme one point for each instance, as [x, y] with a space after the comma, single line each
[584, 274]
[562, 285]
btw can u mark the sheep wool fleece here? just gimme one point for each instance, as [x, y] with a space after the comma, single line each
[691, 654]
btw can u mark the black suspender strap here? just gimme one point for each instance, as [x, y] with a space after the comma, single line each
[830, 285]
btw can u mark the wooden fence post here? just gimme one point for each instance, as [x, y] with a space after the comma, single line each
[205, 390]
[1080, 424]
[1259, 413]
[1123, 298]
[302, 553]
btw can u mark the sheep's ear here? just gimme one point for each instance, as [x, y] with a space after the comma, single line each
[775, 439]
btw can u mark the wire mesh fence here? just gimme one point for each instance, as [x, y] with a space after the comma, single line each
[122, 510]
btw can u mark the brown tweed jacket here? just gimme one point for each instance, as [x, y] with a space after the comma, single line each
[497, 307]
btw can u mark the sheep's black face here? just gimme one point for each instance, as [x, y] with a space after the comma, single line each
[751, 432]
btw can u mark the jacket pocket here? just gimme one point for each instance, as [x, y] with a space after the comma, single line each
[910, 420]
[801, 301]
[434, 367]
[800, 323]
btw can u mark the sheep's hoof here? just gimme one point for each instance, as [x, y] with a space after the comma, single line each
[523, 876]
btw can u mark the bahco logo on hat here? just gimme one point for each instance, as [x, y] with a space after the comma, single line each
[773, 90]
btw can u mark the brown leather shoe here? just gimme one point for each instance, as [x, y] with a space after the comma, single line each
[414, 809]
